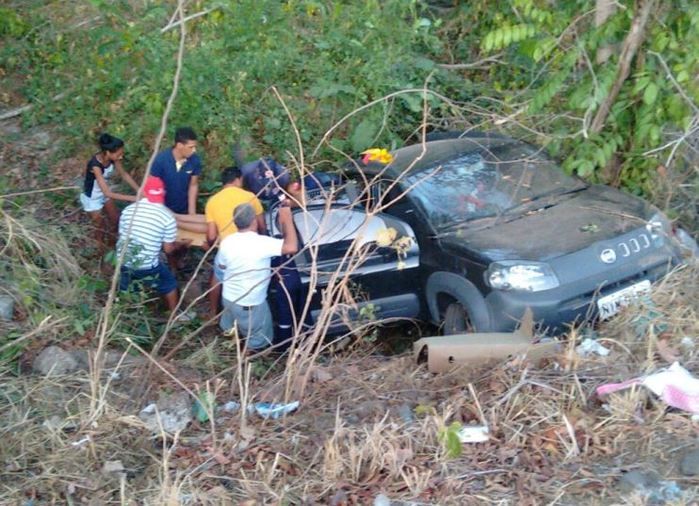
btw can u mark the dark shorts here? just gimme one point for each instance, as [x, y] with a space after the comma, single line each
[159, 277]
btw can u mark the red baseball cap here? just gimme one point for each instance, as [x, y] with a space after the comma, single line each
[154, 190]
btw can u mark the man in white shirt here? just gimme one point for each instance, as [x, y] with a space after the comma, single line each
[244, 257]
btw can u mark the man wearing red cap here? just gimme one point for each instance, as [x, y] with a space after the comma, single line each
[146, 227]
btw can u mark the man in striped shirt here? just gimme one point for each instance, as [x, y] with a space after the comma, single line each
[146, 227]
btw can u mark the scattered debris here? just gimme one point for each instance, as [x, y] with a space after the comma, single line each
[591, 347]
[443, 353]
[230, 407]
[114, 467]
[382, 500]
[273, 410]
[7, 307]
[172, 412]
[689, 465]
[56, 423]
[321, 375]
[650, 486]
[54, 361]
[474, 434]
[405, 413]
[675, 385]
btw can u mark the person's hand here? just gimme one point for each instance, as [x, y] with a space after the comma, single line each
[183, 243]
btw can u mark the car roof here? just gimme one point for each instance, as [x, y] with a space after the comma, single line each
[417, 156]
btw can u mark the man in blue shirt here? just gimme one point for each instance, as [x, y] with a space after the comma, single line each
[179, 168]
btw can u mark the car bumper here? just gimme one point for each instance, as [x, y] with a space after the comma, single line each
[556, 309]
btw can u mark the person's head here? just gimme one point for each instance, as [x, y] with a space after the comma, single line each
[185, 142]
[244, 217]
[231, 176]
[112, 147]
[154, 190]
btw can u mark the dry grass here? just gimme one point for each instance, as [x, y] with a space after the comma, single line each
[552, 440]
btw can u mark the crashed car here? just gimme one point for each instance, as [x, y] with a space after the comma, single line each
[375, 256]
[501, 228]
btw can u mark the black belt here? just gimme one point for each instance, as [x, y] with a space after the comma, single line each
[245, 308]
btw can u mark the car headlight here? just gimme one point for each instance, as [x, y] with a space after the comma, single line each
[527, 276]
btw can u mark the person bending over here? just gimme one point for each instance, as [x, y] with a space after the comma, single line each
[97, 198]
[146, 227]
[219, 221]
[244, 259]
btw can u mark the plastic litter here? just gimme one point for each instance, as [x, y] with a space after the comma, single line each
[675, 385]
[231, 407]
[591, 347]
[273, 410]
[474, 434]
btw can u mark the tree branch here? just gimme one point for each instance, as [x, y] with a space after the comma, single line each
[631, 44]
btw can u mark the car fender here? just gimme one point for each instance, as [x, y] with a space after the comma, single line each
[462, 291]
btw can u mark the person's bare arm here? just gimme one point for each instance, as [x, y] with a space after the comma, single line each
[192, 194]
[126, 176]
[286, 222]
[261, 225]
[107, 190]
[211, 233]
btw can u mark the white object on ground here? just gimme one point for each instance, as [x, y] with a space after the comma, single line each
[675, 385]
[474, 434]
[589, 347]
[273, 410]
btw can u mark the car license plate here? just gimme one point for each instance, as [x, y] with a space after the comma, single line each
[611, 304]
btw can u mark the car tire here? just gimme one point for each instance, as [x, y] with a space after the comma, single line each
[456, 320]
[456, 289]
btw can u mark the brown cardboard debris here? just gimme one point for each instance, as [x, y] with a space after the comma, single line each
[198, 239]
[443, 353]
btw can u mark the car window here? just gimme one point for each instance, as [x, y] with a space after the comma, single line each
[485, 183]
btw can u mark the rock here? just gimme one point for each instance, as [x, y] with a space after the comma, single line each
[54, 361]
[172, 411]
[634, 481]
[7, 307]
[405, 413]
[689, 465]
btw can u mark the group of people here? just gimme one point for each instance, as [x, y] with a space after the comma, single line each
[233, 222]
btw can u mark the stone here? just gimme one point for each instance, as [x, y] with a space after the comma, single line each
[7, 307]
[54, 361]
[172, 412]
[689, 465]
[634, 481]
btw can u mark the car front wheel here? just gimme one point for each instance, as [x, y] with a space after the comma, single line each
[456, 320]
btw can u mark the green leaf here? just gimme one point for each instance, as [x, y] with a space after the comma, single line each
[363, 135]
[449, 437]
[650, 93]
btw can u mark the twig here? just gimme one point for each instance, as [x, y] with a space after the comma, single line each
[188, 18]
[473, 65]
[46, 190]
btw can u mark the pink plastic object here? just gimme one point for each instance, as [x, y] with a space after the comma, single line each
[675, 385]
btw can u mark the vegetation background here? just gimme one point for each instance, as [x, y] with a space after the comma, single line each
[610, 88]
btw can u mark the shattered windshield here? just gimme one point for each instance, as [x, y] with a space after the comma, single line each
[485, 183]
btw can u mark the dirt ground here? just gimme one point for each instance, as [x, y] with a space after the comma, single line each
[371, 427]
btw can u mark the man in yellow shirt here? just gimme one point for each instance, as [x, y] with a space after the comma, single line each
[219, 222]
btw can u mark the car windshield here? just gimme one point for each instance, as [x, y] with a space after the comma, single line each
[484, 184]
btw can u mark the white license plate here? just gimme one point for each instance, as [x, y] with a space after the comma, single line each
[611, 304]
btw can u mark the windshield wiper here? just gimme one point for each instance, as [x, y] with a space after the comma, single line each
[553, 193]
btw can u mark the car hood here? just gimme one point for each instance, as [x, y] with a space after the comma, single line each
[570, 223]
